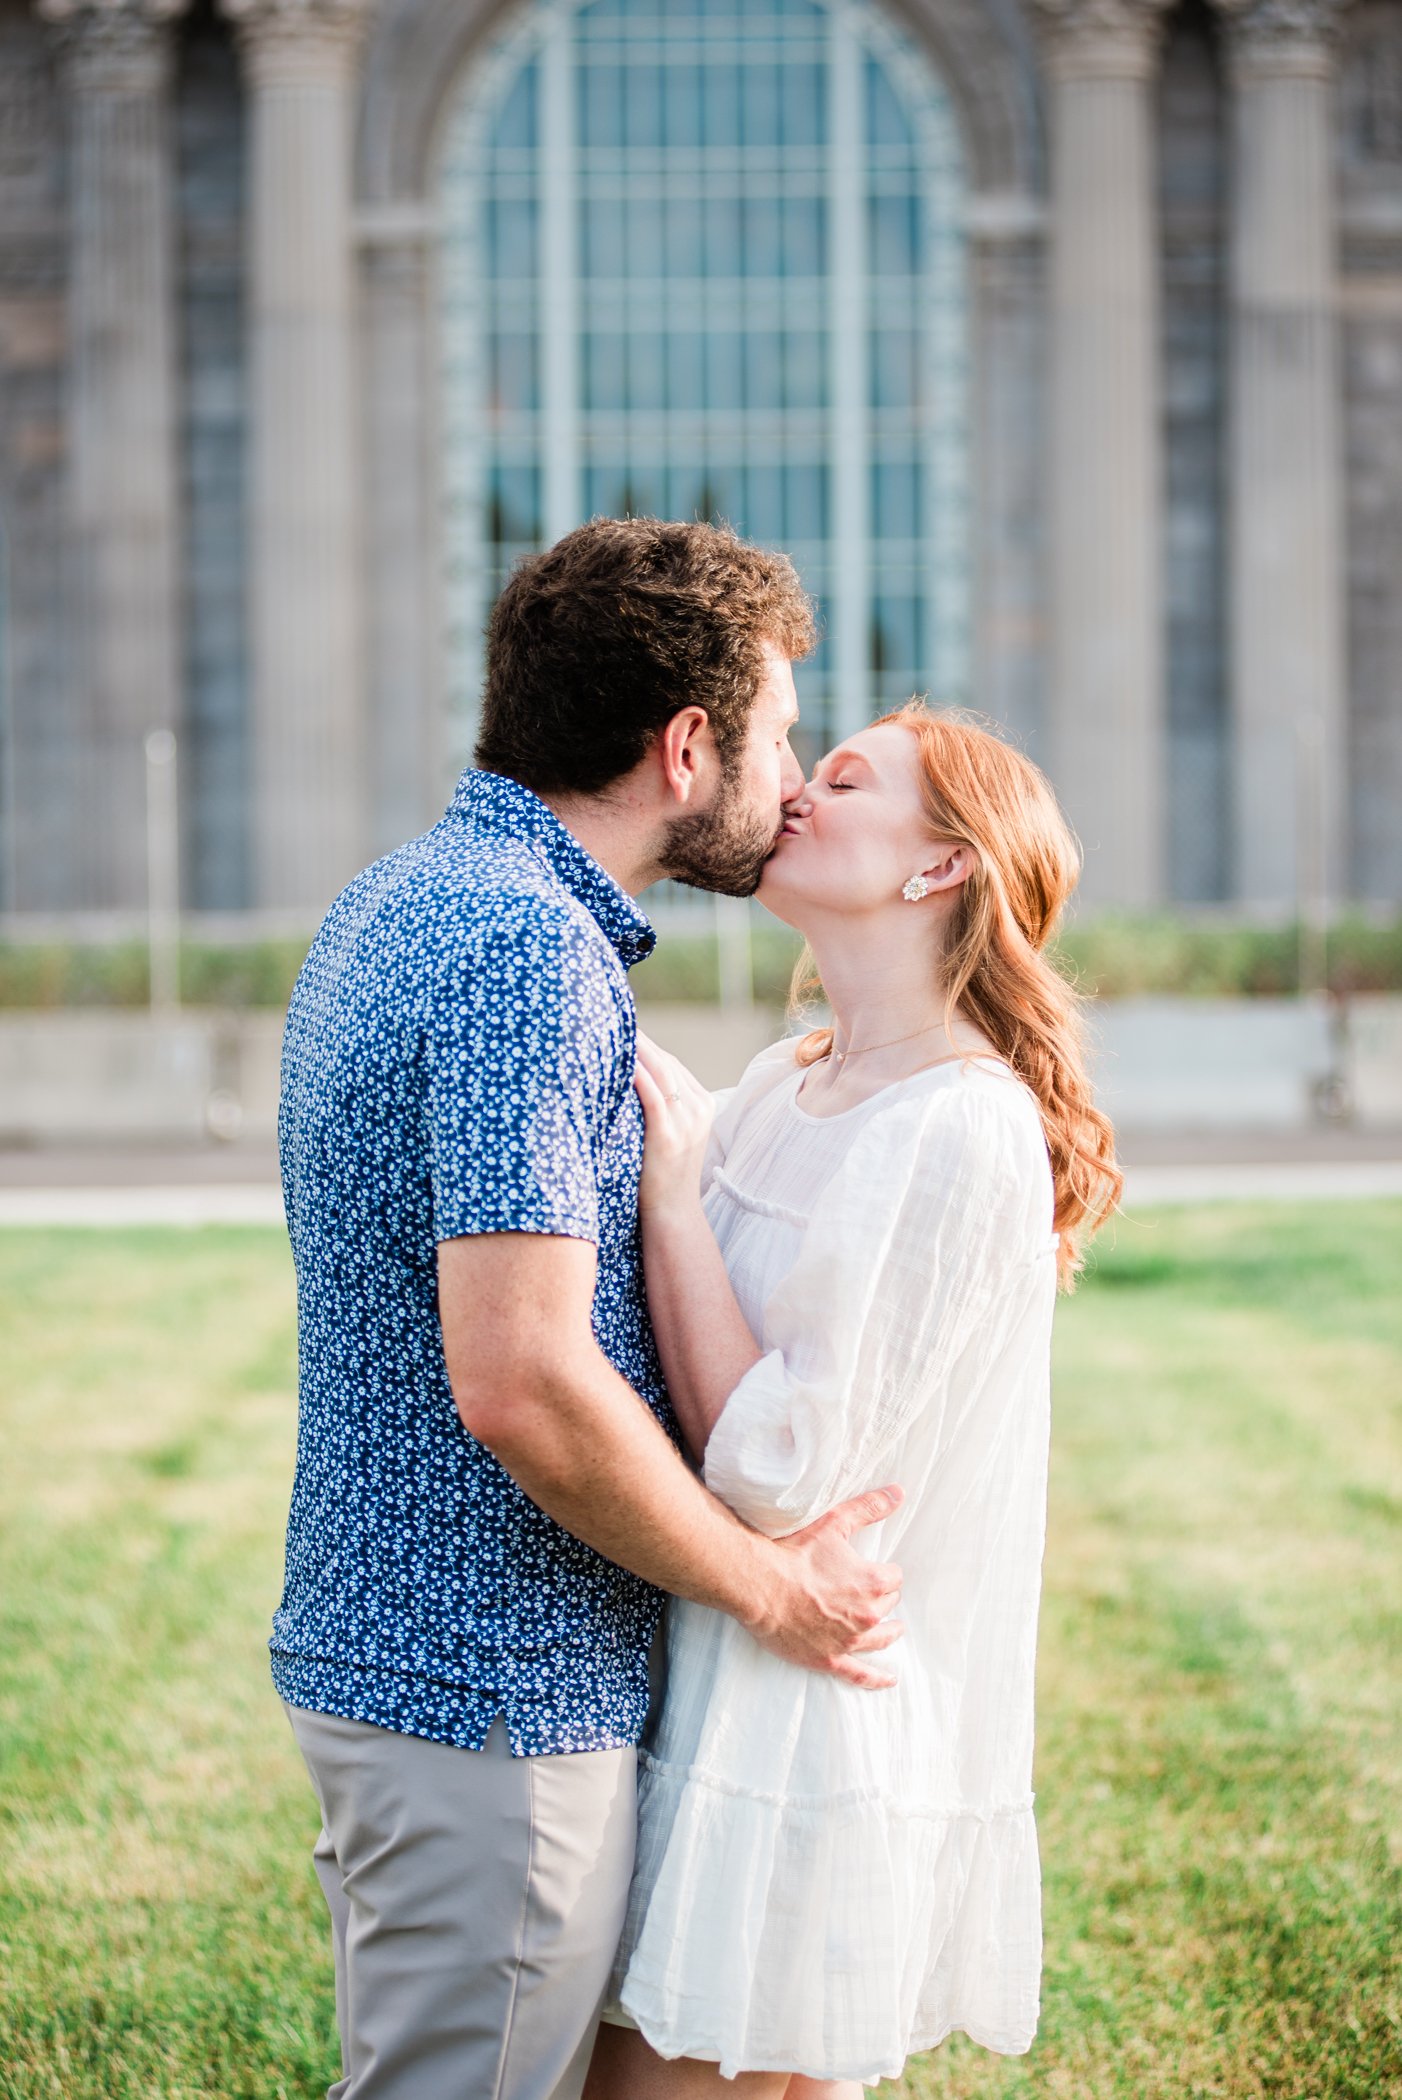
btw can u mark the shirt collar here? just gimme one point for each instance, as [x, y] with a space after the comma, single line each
[503, 808]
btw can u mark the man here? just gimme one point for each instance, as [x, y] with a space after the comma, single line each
[487, 1504]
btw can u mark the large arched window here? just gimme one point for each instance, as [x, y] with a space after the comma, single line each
[707, 260]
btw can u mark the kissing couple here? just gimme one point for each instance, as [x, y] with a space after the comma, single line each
[588, 1357]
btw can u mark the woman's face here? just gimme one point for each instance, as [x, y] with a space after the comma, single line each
[856, 833]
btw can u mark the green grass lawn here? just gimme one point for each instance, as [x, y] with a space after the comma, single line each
[1220, 1748]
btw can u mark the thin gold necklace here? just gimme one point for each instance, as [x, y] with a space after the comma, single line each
[843, 1055]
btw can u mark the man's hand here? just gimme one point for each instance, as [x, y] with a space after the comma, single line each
[532, 1384]
[829, 1612]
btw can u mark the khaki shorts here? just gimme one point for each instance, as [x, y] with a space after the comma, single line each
[476, 1901]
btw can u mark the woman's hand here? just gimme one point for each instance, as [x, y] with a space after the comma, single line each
[678, 1113]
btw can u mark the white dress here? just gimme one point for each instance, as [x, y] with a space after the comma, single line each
[828, 1879]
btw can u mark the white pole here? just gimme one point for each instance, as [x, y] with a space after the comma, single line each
[734, 955]
[1311, 824]
[849, 583]
[559, 384]
[162, 872]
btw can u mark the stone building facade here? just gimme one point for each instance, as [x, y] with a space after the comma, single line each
[237, 447]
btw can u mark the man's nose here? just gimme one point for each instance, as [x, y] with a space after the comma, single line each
[792, 784]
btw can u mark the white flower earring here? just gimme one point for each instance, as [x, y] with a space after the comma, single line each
[915, 889]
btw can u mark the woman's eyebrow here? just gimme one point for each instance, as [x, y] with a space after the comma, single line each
[843, 757]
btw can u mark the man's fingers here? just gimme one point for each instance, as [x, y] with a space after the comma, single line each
[883, 1636]
[871, 1508]
[865, 1676]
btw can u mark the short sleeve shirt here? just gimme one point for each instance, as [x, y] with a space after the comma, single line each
[458, 1059]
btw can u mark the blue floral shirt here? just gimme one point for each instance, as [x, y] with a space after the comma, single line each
[458, 1059]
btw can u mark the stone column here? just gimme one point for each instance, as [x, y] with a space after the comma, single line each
[305, 651]
[1105, 712]
[1007, 236]
[123, 523]
[404, 625]
[1287, 566]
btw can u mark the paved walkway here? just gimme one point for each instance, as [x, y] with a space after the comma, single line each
[173, 1201]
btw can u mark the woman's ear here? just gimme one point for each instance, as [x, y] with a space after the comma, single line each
[686, 752]
[953, 866]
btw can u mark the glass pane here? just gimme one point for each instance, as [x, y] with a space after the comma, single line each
[514, 506]
[894, 369]
[887, 122]
[764, 227]
[803, 368]
[893, 235]
[646, 496]
[681, 105]
[602, 486]
[715, 494]
[686, 370]
[515, 123]
[895, 636]
[642, 105]
[645, 240]
[720, 105]
[759, 105]
[604, 369]
[803, 236]
[895, 500]
[722, 247]
[646, 371]
[514, 372]
[685, 221]
[603, 243]
[805, 503]
[725, 357]
[764, 505]
[511, 229]
[764, 369]
[802, 115]
[600, 105]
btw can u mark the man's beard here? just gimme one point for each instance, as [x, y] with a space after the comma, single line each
[722, 848]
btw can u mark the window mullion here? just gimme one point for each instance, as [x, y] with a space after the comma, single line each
[560, 361]
[847, 323]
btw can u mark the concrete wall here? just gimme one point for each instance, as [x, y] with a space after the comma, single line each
[117, 1077]
[1165, 1065]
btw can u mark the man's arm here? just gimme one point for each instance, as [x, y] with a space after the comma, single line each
[533, 1386]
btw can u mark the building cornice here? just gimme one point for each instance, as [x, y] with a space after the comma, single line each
[1282, 37]
[295, 42]
[1101, 39]
[114, 46]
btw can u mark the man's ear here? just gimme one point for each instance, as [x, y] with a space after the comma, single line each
[686, 752]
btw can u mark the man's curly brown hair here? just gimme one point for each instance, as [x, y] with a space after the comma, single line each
[596, 643]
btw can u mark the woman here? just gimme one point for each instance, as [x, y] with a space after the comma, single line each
[853, 1283]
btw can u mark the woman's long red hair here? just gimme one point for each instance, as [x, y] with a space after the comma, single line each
[980, 792]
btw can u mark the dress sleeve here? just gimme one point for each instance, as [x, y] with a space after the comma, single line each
[938, 1197]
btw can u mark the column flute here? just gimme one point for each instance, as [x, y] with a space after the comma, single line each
[1105, 719]
[301, 62]
[1287, 615]
[123, 522]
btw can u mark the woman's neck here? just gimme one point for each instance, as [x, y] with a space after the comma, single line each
[889, 1016]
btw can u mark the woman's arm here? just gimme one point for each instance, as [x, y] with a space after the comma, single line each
[703, 1338]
